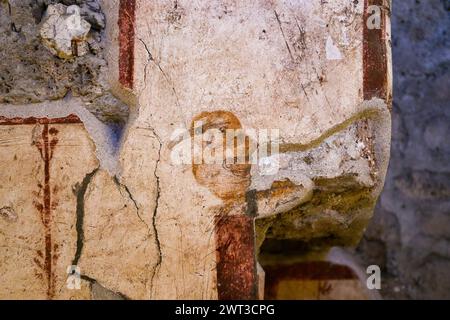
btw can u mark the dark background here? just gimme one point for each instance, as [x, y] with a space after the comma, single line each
[409, 236]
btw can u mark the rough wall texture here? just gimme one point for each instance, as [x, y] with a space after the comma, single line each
[148, 226]
[30, 73]
[410, 233]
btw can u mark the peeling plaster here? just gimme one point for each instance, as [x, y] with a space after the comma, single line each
[107, 148]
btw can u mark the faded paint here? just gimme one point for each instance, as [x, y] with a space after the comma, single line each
[159, 230]
[45, 157]
[312, 280]
[126, 23]
[376, 57]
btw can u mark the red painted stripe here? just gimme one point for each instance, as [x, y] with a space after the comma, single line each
[312, 270]
[47, 218]
[32, 120]
[44, 208]
[375, 58]
[127, 17]
[236, 258]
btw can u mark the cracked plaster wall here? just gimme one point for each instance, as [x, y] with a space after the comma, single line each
[141, 227]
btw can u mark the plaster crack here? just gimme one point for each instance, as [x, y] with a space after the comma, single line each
[284, 37]
[130, 196]
[158, 65]
[155, 212]
[80, 192]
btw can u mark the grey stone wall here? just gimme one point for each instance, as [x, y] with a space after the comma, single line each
[409, 236]
[30, 73]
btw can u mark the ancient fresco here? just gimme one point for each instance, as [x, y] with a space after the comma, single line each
[306, 80]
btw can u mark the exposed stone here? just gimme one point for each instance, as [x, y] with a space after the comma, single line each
[64, 32]
[30, 73]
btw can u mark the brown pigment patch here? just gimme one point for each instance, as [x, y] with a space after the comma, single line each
[127, 18]
[375, 56]
[227, 181]
[32, 120]
[236, 265]
[235, 234]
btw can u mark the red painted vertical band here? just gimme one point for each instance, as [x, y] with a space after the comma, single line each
[44, 209]
[375, 57]
[236, 264]
[127, 18]
[46, 214]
